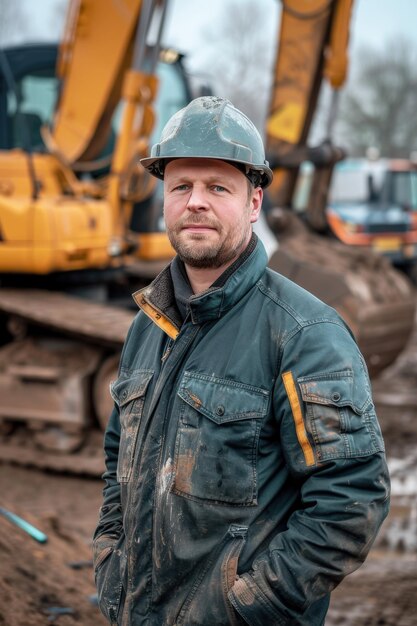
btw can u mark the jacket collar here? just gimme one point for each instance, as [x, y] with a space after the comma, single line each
[157, 300]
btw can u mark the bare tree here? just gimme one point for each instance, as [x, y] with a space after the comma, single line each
[379, 107]
[241, 55]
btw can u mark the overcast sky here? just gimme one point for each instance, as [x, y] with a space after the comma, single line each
[375, 21]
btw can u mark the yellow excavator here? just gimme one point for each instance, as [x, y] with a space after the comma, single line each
[81, 225]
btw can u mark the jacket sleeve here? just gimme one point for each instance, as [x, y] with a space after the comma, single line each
[334, 452]
[110, 523]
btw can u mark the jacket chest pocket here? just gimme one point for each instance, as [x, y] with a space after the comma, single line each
[129, 395]
[217, 438]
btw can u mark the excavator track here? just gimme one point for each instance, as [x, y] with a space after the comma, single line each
[89, 461]
[48, 378]
[101, 324]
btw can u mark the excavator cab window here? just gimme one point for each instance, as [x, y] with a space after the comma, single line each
[358, 182]
[37, 97]
[28, 94]
[400, 189]
[173, 94]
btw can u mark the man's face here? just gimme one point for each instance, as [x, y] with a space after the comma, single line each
[208, 211]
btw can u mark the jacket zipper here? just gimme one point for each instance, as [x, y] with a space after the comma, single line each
[131, 499]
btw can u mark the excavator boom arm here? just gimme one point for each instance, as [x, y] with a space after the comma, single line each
[312, 45]
[98, 47]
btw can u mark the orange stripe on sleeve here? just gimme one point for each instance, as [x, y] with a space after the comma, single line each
[300, 430]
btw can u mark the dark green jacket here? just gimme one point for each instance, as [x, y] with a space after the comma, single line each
[245, 466]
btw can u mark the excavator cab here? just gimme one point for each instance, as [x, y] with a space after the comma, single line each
[371, 207]
[28, 94]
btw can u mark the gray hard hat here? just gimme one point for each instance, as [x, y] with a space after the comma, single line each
[211, 128]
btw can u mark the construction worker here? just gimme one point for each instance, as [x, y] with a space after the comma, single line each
[245, 464]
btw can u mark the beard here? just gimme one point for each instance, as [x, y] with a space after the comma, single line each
[196, 251]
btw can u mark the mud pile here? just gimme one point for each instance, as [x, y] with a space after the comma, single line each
[45, 583]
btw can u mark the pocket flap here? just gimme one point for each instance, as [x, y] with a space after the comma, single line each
[124, 390]
[335, 388]
[222, 400]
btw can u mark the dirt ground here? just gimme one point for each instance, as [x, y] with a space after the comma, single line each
[52, 582]
[36, 579]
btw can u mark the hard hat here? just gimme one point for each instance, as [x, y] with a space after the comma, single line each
[211, 128]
